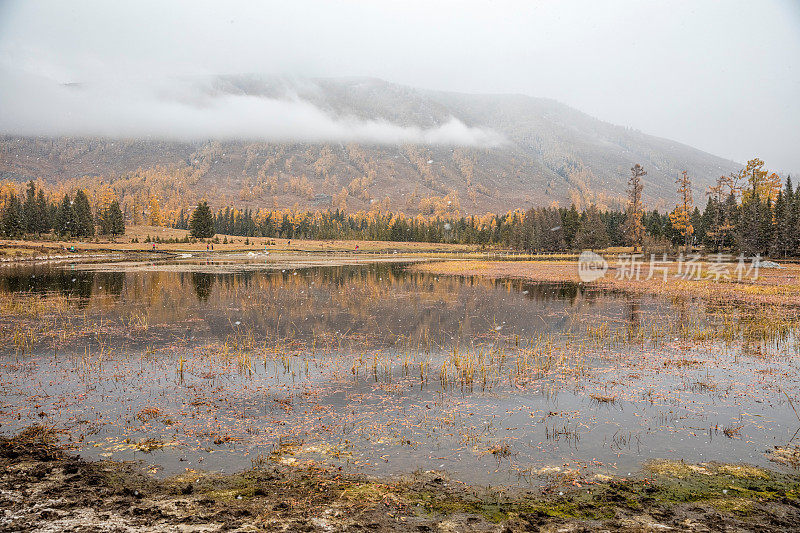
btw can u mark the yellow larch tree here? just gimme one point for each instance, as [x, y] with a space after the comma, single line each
[681, 216]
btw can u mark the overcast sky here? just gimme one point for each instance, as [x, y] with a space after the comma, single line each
[723, 76]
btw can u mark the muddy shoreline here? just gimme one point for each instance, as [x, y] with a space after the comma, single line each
[45, 488]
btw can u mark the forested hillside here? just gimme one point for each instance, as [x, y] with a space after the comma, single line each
[541, 153]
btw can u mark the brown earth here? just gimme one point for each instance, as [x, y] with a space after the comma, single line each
[45, 488]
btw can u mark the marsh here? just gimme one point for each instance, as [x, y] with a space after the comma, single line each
[224, 364]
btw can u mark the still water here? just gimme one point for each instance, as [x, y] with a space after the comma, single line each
[370, 367]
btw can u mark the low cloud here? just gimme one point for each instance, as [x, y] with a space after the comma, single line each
[35, 105]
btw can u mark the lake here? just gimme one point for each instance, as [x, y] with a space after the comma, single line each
[366, 366]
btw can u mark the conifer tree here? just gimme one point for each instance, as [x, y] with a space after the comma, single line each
[790, 218]
[112, 222]
[13, 223]
[82, 215]
[681, 216]
[43, 213]
[201, 224]
[592, 233]
[778, 241]
[30, 212]
[570, 220]
[634, 229]
[65, 218]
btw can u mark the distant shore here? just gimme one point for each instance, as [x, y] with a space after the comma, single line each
[774, 287]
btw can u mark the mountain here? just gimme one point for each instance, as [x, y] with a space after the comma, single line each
[518, 151]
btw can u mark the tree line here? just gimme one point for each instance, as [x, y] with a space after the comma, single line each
[34, 215]
[537, 229]
[748, 212]
[751, 211]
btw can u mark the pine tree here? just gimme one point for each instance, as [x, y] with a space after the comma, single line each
[790, 219]
[592, 233]
[634, 229]
[697, 224]
[13, 222]
[44, 220]
[201, 224]
[778, 243]
[117, 219]
[756, 226]
[767, 225]
[82, 213]
[711, 223]
[681, 216]
[30, 214]
[65, 218]
[731, 218]
[182, 222]
[112, 222]
[750, 233]
[570, 220]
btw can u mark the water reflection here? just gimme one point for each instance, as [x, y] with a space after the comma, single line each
[382, 304]
[377, 362]
[70, 283]
[203, 283]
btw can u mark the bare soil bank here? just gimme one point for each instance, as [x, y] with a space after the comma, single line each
[44, 488]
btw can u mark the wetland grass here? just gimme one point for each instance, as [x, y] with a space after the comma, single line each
[603, 399]
[259, 364]
[732, 431]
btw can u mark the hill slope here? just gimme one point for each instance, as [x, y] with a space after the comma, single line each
[548, 153]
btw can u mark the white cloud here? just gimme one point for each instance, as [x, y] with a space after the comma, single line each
[35, 105]
[721, 76]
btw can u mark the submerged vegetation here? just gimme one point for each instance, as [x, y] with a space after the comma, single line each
[384, 369]
[323, 344]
